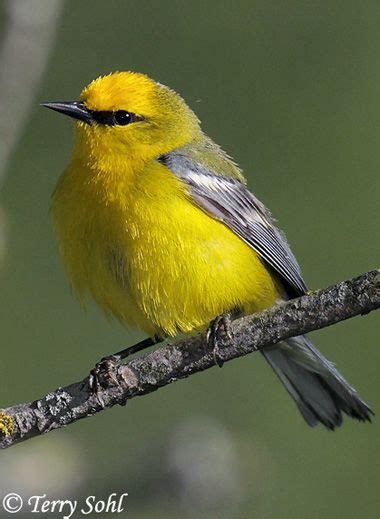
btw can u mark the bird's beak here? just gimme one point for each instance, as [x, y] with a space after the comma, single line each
[75, 109]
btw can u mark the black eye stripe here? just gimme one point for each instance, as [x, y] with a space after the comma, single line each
[110, 118]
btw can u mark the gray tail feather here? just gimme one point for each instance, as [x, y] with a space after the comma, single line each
[318, 389]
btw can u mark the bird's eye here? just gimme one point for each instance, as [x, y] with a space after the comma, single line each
[110, 118]
[122, 117]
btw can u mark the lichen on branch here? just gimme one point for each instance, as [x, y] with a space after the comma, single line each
[172, 362]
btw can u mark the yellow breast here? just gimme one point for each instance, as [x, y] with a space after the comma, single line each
[149, 256]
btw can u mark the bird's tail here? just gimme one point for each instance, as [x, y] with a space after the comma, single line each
[318, 389]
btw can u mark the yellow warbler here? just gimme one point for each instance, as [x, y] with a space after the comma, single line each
[155, 221]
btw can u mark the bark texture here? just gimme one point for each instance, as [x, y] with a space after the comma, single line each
[172, 362]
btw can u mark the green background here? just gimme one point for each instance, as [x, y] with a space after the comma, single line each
[291, 90]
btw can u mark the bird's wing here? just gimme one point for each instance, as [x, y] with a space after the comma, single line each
[229, 201]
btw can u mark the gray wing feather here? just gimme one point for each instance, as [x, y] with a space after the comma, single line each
[229, 201]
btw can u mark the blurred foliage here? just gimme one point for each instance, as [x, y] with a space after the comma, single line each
[291, 91]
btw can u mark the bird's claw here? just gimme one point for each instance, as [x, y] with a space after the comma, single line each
[103, 374]
[219, 331]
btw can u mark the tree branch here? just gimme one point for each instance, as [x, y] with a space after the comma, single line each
[171, 362]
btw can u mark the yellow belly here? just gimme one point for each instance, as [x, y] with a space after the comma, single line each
[153, 259]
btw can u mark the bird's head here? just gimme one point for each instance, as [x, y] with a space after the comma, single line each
[126, 114]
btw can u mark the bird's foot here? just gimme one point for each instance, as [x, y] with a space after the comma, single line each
[104, 374]
[219, 331]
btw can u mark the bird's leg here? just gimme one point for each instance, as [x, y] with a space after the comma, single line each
[219, 330]
[127, 352]
[105, 368]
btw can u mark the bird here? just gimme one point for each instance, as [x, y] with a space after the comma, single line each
[156, 222]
